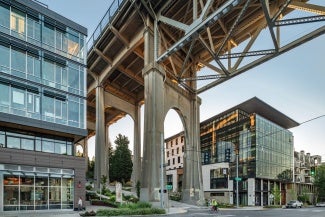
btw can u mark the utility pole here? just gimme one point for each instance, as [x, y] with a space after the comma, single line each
[162, 173]
[237, 190]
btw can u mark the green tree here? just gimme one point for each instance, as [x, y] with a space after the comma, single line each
[120, 164]
[277, 195]
[319, 183]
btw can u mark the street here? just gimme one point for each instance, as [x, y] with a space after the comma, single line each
[303, 212]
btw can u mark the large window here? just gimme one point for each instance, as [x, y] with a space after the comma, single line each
[17, 23]
[18, 63]
[4, 99]
[30, 191]
[4, 18]
[33, 68]
[35, 143]
[48, 36]
[33, 30]
[5, 58]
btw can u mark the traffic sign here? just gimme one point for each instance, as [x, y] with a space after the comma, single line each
[237, 178]
[169, 187]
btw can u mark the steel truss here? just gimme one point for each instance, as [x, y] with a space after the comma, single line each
[208, 15]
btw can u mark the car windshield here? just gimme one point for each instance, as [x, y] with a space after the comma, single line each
[292, 201]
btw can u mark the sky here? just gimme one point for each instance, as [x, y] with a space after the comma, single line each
[293, 83]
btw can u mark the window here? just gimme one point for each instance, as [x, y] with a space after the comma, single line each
[33, 68]
[173, 161]
[18, 63]
[13, 142]
[5, 58]
[177, 151]
[48, 70]
[176, 141]
[172, 152]
[73, 43]
[27, 144]
[167, 153]
[33, 30]
[48, 36]
[4, 18]
[74, 78]
[48, 146]
[4, 99]
[179, 160]
[18, 98]
[17, 23]
[73, 115]
[33, 105]
[48, 108]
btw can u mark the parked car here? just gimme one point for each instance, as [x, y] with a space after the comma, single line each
[294, 204]
[319, 204]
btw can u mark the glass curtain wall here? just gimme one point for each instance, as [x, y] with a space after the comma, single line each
[37, 189]
[26, 70]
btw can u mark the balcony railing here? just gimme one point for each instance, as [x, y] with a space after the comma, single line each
[107, 18]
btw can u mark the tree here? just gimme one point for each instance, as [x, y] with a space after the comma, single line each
[120, 164]
[319, 183]
[277, 195]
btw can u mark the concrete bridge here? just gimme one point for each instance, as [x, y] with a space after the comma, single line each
[150, 52]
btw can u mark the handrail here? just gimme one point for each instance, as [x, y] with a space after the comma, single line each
[113, 8]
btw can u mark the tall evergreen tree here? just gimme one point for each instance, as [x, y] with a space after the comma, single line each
[319, 183]
[120, 163]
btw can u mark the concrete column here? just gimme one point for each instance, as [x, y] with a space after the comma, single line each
[100, 137]
[153, 120]
[193, 183]
[107, 147]
[136, 174]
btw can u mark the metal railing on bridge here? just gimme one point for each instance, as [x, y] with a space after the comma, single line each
[107, 18]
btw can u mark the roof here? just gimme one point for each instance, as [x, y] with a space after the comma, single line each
[255, 105]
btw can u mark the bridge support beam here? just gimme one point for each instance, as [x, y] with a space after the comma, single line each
[153, 133]
[136, 174]
[153, 120]
[100, 141]
[192, 179]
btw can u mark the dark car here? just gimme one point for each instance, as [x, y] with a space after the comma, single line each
[294, 204]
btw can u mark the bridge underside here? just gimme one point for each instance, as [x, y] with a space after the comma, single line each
[146, 47]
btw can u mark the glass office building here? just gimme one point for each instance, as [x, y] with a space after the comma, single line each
[258, 133]
[42, 107]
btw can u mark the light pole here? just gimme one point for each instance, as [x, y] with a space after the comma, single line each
[237, 192]
[162, 172]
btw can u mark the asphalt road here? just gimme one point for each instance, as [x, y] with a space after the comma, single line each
[303, 212]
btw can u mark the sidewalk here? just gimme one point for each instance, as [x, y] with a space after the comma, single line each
[174, 208]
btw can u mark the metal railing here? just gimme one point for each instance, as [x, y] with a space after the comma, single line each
[110, 13]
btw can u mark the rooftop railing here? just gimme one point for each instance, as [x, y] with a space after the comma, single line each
[107, 18]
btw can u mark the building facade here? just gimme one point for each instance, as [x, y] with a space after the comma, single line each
[42, 107]
[174, 155]
[266, 161]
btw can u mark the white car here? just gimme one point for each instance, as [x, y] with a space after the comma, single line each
[294, 204]
[319, 204]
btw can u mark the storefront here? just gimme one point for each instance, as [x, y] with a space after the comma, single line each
[35, 188]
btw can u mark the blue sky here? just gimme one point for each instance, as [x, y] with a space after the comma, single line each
[293, 83]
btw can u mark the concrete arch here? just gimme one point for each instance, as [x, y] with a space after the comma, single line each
[104, 100]
[187, 107]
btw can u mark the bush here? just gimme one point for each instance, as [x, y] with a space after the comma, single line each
[104, 203]
[89, 187]
[127, 211]
[140, 205]
[88, 213]
[176, 196]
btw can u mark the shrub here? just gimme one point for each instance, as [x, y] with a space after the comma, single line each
[176, 196]
[126, 211]
[88, 213]
[104, 203]
[140, 205]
